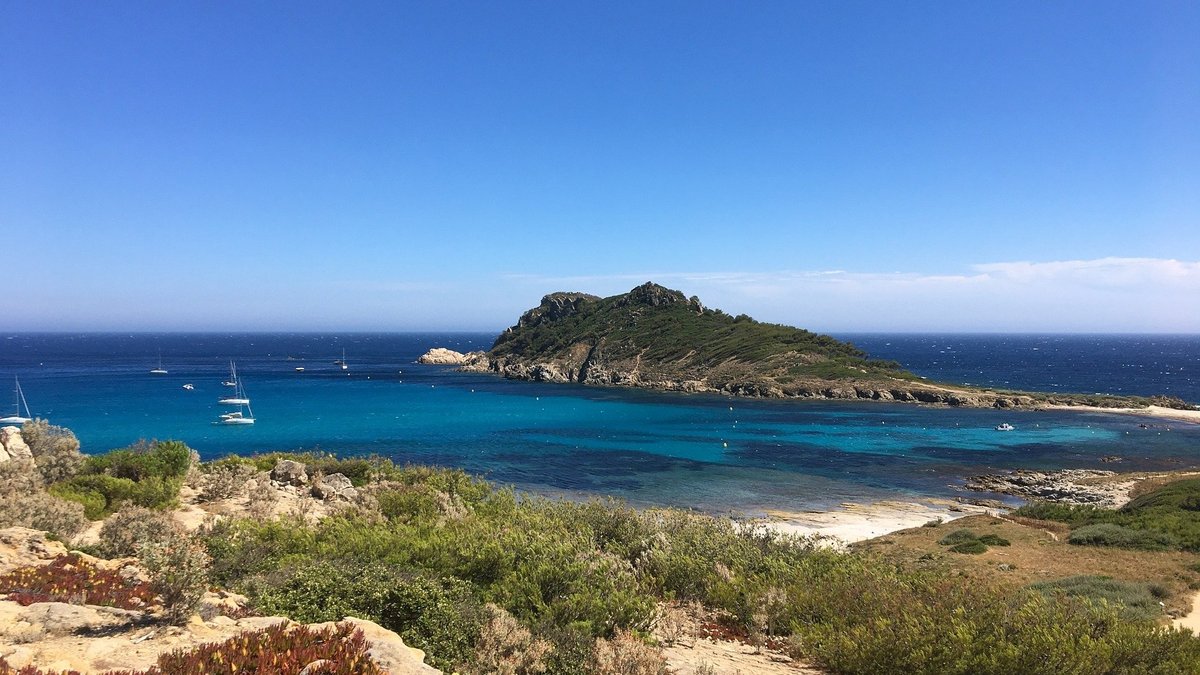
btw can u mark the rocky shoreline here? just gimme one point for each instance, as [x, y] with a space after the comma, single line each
[1090, 487]
[592, 373]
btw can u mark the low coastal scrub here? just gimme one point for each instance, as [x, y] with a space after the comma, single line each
[1109, 534]
[440, 547]
[967, 541]
[144, 474]
[1167, 518]
[25, 503]
[1133, 600]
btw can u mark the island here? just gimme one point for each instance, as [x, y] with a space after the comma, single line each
[657, 338]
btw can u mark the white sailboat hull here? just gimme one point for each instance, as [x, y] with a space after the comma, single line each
[14, 419]
[234, 401]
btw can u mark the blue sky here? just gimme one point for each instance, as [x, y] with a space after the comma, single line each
[1020, 166]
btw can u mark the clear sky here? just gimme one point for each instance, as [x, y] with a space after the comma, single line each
[972, 166]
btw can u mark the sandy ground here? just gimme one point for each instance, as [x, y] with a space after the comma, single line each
[857, 522]
[1192, 620]
[1155, 411]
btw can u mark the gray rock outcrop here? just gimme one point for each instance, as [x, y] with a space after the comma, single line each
[332, 486]
[289, 472]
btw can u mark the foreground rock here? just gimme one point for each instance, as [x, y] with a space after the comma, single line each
[23, 547]
[1069, 486]
[12, 445]
[58, 636]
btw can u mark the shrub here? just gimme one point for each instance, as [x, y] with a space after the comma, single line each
[178, 570]
[441, 617]
[19, 477]
[225, 480]
[88, 489]
[55, 450]
[133, 527]
[505, 647]
[318, 591]
[958, 537]
[70, 578]
[92, 501]
[41, 511]
[994, 540]
[974, 547]
[156, 459]
[625, 654]
[1137, 601]
[932, 523]
[1108, 534]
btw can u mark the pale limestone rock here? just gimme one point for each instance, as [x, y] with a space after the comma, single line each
[440, 356]
[14, 444]
[22, 547]
[388, 649]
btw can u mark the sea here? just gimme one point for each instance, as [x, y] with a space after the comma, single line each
[708, 452]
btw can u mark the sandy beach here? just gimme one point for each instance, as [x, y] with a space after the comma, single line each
[857, 522]
[1155, 411]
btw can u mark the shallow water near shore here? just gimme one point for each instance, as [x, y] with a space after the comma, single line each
[712, 453]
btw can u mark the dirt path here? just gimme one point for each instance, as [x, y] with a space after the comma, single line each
[1192, 620]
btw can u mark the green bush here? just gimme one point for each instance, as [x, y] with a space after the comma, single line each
[973, 547]
[994, 540]
[94, 503]
[441, 617]
[151, 492]
[1108, 534]
[958, 537]
[157, 459]
[1136, 601]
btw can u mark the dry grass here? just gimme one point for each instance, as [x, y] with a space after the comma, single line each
[1035, 556]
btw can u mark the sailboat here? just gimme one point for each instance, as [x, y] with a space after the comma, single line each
[18, 402]
[342, 361]
[159, 370]
[244, 415]
[239, 392]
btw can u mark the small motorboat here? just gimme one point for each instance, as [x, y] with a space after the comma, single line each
[1005, 427]
[189, 387]
[299, 369]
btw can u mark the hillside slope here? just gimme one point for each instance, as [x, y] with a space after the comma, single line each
[657, 338]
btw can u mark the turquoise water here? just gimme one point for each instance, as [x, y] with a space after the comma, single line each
[709, 452]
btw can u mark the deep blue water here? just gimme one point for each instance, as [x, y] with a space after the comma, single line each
[708, 452]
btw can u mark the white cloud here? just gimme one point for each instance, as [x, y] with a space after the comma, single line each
[1101, 295]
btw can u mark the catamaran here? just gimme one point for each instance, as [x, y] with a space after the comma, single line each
[239, 392]
[18, 403]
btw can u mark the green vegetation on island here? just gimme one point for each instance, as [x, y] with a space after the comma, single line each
[657, 338]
